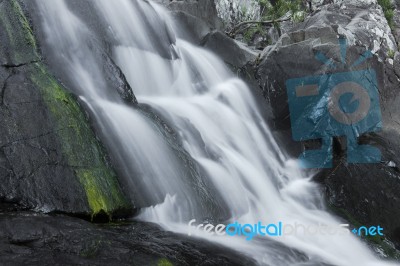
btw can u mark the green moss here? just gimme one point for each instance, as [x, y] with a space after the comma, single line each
[164, 262]
[92, 250]
[389, 250]
[80, 147]
[345, 215]
[26, 29]
[378, 241]
[390, 54]
[102, 197]
[20, 46]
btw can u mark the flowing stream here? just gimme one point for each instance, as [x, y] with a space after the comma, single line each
[196, 147]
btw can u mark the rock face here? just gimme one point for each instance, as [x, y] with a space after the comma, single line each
[193, 28]
[203, 9]
[198, 23]
[232, 52]
[33, 239]
[114, 79]
[366, 193]
[50, 160]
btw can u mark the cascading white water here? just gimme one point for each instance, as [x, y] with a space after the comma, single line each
[217, 120]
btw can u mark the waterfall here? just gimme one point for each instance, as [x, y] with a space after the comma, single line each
[196, 146]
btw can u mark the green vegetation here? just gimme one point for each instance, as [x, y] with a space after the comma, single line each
[377, 240]
[274, 12]
[280, 8]
[251, 31]
[81, 150]
[388, 10]
[27, 31]
[17, 32]
[80, 147]
[390, 54]
[164, 262]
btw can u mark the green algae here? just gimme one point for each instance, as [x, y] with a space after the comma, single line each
[18, 33]
[164, 262]
[80, 146]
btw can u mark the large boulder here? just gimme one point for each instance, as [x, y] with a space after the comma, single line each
[193, 29]
[232, 52]
[50, 159]
[363, 193]
[198, 23]
[203, 9]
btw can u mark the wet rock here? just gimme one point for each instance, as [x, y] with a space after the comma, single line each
[369, 193]
[117, 80]
[17, 47]
[212, 205]
[115, 83]
[204, 9]
[232, 52]
[27, 238]
[50, 159]
[193, 28]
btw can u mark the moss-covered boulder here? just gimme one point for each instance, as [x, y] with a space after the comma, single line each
[50, 159]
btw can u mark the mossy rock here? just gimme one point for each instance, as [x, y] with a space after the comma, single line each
[17, 45]
[379, 243]
[50, 159]
[79, 145]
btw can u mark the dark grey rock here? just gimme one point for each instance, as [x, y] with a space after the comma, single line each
[115, 83]
[27, 238]
[203, 9]
[48, 152]
[116, 80]
[193, 29]
[232, 52]
[35, 174]
[16, 45]
[396, 23]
